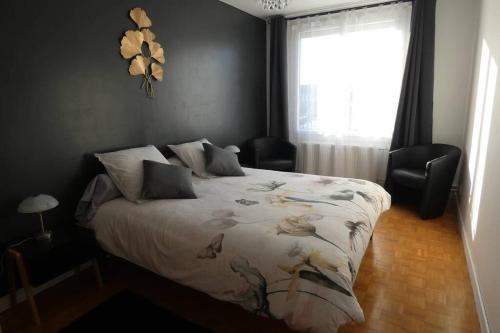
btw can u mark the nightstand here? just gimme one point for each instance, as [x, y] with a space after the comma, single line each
[40, 261]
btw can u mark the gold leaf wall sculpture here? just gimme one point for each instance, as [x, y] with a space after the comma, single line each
[131, 44]
[157, 71]
[156, 52]
[146, 61]
[138, 66]
[139, 16]
[148, 35]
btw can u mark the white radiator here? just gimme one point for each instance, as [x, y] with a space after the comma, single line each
[368, 163]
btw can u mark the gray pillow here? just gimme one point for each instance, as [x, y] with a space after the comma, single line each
[221, 162]
[100, 190]
[164, 181]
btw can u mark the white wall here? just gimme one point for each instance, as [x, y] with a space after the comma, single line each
[456, 35]
[480, 181]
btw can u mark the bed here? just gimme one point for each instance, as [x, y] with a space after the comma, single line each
[281, 245]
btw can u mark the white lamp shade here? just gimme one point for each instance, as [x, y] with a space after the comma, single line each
[37, 204]
[233, 149]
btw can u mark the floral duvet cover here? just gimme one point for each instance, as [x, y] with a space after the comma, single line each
[281, 245]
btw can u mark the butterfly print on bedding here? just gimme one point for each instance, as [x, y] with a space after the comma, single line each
[210, 252]
[246, 202]
[267, 187]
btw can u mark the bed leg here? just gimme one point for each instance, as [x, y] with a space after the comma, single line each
[97, 272]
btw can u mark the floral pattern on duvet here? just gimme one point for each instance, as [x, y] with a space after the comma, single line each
[281, 245]
[310, 268]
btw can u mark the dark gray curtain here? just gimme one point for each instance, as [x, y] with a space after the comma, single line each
[414, 119]
[278, 121]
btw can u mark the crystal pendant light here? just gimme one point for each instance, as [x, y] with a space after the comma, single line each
[274, 4]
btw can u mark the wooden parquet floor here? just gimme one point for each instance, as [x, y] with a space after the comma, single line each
[413, 279]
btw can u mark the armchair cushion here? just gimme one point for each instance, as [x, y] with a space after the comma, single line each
[277, 164]
[413, 178]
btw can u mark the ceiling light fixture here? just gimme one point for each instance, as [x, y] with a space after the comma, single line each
[273, 4]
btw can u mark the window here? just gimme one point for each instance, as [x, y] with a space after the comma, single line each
[346, 72]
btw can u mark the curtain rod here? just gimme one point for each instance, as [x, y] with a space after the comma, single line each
[348, 9]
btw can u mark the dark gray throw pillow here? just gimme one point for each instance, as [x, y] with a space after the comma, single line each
[221, 162]
[165, 181]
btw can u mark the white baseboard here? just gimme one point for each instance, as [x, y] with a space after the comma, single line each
[5, 301]
[481, 313]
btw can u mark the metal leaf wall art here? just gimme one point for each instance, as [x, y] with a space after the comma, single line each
[146, 61]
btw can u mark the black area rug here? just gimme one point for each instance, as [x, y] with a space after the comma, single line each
[127, 312]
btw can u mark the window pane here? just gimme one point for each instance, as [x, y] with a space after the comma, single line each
[350, 82]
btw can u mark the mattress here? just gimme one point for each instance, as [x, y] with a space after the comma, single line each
[281, 245]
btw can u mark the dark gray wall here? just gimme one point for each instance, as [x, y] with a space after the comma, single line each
[66, 92]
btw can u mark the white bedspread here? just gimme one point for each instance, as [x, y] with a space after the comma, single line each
[281, 245]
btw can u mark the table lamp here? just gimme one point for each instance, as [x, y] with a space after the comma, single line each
[39, 204]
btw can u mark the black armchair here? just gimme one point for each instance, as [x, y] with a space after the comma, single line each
[272, 153]
[428, 170]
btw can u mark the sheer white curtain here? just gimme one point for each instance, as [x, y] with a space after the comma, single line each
[345, 74]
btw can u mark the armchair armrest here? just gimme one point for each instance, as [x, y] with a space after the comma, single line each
[255, 158]
[439, 179]
[290, 151]
[442, 168]
[399, 158]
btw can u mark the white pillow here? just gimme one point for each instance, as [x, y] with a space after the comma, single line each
[191, 153]
[125, 168]
[205, 140]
